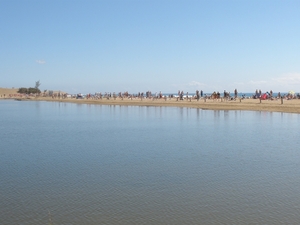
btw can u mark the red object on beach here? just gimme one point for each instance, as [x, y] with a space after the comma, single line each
[264, 97]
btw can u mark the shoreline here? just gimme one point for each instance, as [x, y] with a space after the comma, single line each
[248, 104]
[288, 106]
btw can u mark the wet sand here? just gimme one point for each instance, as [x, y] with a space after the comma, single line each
[287, 106]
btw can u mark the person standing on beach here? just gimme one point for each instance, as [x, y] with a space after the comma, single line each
[235, 93]
[197, 95]
[181, 95]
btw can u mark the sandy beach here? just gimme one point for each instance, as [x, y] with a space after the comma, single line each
[287, 106]
[5, 92]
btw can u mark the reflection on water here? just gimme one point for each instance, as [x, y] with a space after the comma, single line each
[93, 164]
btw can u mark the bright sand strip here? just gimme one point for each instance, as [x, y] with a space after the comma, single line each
[5, 92]
[288, 106]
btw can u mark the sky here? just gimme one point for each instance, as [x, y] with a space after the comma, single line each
[88, 46]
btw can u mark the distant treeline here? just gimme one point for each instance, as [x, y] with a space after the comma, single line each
[30, 90]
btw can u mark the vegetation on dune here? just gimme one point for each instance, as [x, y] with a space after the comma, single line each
[31, 90]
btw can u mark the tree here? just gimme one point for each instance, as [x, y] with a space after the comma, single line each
[31, 90]
[23, 90]
[37, 84]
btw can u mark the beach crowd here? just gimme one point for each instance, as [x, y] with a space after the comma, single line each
[181, 95]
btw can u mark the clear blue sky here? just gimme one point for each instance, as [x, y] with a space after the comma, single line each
[140, 45]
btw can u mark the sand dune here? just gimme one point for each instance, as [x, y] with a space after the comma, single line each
[5, 92]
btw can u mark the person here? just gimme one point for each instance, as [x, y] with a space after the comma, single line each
[197, 95]
[235, 93]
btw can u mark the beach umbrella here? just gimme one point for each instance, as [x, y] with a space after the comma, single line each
[291, 92]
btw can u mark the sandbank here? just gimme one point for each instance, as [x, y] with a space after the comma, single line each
[286, 106]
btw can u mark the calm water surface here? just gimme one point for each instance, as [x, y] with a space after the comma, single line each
[92, 164]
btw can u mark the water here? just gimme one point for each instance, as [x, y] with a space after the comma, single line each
[92, 164]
